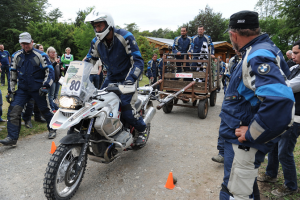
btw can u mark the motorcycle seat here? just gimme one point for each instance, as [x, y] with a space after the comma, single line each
[137, 104]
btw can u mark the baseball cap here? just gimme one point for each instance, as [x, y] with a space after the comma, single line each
[25, 37]
[243, 20]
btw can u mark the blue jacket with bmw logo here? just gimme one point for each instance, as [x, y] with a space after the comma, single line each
[258, 96]
[122, 58]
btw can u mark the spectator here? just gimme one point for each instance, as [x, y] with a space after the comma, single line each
[152, 72]
[66, 59]
[54, 89]
[252, 117]
[35, 86]
[40, 47]
[1, 103]
[182, 44]
[283, 150]
[4, 63]
[290, 61]
[95, 74]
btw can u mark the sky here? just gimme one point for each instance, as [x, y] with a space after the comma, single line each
[153, 14]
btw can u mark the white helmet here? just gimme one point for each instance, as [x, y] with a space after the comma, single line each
[96, 16]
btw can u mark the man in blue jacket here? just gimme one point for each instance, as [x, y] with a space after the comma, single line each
[119, 51]
[31, 69]
[257, 107]
[4, 63]
[182, 44]
[152, 71]
[283, 151]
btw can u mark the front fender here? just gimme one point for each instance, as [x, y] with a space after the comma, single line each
[75, 138]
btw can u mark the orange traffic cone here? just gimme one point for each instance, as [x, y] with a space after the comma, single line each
[53, 147]
[170, 182]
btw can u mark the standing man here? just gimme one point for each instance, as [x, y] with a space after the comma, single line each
[4, 63]
[283, 151]
[290, 61]
[182, 44]
[32, 71]
[120, 53]
[257, 108]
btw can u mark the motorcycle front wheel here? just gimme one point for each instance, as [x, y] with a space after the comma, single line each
[60, 180]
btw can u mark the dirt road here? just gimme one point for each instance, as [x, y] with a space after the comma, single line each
[179, 142]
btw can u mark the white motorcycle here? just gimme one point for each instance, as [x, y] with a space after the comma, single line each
[96, 128]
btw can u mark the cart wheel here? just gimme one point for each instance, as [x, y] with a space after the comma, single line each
[168, 107]
[213, 98]
[203, 109]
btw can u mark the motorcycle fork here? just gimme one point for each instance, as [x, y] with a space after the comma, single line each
[84, 148]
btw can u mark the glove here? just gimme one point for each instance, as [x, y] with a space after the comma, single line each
[43, 91]
[10, 97]
[128, 82]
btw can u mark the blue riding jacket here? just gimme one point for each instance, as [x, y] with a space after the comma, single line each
[4, 57]
[32, 70]
[152, 68]
[197, 42]
[258, 96]
[182, 45]
[122, 58]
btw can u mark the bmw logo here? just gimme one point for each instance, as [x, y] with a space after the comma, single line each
[263, 69]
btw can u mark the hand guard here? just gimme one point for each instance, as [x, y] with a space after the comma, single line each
[10, 97]
[43, 91]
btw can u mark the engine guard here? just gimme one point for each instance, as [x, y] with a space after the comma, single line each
[75, 138]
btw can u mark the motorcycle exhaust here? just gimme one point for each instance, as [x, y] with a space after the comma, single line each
[149, 115]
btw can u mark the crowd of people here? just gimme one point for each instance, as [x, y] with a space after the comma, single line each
[262, 85]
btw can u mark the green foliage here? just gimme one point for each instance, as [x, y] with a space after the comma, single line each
[58, 35]
[81, 14]
[54, 15]
[83, 36]
[147, 50]
[213, 23]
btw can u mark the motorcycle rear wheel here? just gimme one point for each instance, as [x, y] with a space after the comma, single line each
[60, 182]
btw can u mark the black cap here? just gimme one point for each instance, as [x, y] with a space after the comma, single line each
[243, 20]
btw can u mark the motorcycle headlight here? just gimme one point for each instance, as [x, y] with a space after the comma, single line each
[69, 102]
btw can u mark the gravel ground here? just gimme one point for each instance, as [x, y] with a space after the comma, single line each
[179, 142]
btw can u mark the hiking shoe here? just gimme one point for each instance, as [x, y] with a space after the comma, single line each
[52, 134]
[8, 142]
[41, 119]
[28, 124]
[141, 138]
[218, 159]
[266, 178]
[283, 191]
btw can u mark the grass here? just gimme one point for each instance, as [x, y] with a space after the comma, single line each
[268, 187]
[37, 126]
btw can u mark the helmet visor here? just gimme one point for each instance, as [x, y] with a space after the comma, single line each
[100, 27]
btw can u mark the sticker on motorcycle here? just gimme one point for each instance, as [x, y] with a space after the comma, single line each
[56, 124]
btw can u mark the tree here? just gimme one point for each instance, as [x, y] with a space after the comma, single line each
[213, 23]
[132, 28]
[267, 8]
[83, 36]
[54, 15]
[147, 50]
[81, 15]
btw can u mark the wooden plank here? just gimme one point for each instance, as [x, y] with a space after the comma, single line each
[195, 74]
[185, 61]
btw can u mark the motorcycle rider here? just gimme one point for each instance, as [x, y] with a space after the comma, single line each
[32, 70]
[118, 50]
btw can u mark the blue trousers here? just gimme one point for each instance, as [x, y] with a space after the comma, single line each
[127, 110]
[283, 152]
[16, 107]
[100, 79]
[95, 79]
[1, 103]
[53, 93]
[5, 70]
[221, 140]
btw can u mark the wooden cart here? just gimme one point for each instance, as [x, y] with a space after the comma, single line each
[185, 85]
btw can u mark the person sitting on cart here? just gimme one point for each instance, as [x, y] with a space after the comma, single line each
[182, 44]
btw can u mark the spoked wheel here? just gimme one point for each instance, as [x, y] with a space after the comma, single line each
[60, 180]
[203, 109]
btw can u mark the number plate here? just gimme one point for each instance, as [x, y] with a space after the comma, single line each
[73, 79]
